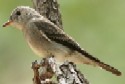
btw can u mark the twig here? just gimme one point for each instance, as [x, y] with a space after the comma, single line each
[35, 67]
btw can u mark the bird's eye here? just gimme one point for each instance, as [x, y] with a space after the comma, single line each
[18, 13]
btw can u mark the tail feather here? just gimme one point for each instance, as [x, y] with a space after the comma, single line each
[95, 61]
[109, 68]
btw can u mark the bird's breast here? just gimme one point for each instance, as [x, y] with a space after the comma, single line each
[36, 42]
[44, 47]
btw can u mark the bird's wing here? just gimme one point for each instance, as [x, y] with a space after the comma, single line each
[59, 36]
[54, 33]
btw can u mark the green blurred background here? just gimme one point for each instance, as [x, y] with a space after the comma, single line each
[98, 25]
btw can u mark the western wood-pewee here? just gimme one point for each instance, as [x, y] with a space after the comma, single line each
[46, 39]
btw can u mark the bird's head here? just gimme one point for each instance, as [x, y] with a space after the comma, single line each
[20, 16]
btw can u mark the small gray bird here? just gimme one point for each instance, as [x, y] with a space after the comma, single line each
[46, 39]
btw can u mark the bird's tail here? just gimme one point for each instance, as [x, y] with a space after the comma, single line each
[96, 62]
[109, 68]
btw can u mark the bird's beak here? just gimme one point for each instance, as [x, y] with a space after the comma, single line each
[7, 23]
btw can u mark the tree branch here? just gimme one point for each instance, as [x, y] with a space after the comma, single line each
[67, 73]
[49, 9]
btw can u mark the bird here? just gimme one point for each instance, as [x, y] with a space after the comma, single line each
[47, 39]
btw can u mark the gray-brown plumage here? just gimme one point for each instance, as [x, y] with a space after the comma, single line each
[46, 39]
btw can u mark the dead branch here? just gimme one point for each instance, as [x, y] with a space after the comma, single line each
[49, 9]
[66, 73]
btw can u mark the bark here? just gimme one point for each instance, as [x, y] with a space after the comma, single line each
[49, 9]
[66, 73]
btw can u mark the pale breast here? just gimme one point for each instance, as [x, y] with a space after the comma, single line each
[43, 47]
[36, 42]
